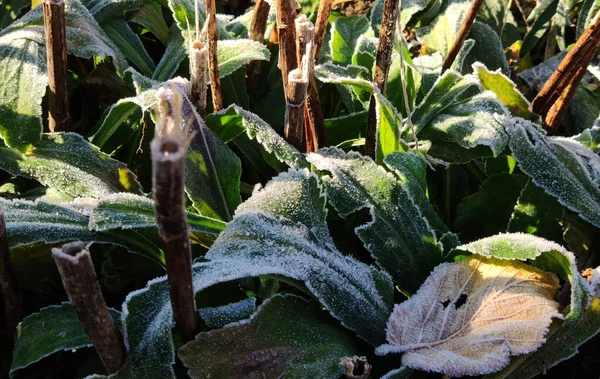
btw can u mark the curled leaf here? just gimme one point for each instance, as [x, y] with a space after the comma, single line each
[470, 316]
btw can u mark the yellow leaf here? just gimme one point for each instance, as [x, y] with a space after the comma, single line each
[469, 317]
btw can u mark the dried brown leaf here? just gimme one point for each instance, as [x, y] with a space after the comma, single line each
[470, 316]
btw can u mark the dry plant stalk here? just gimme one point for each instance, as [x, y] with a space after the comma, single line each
[198, 59]
[169, 148]
[321, 26]
[382, 67]
[553, 99]
[79, 278]
[59, 119]
[213, 64]
[286, 15]
[462, 34]
[297, 86]
[258, 26]
[8, 283]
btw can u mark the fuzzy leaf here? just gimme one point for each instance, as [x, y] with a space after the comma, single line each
[52, 329]
[564, 168]
[107, 10]
[233, 54]
[487, 49]
[590, 138]
[345, 32]
[441, 33]
[218, 317]
[470, 316]
[398, 236]
[150, 17]
[287, 336]
[69, 164]
[130, 44]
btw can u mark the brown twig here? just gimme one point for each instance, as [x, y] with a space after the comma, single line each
[198, 59]
[286, 15]
[382, 67]
[462, 34]
[169, 148]
[296, 91]
[8, 283]
[79, 278]
[321, 26]
[258, 26]
[213, 64]
[553, 99]
[56, 55]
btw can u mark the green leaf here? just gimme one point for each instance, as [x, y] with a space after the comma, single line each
[11, 10]
[442, 32]
[129, 211]
[564, 168]
[30, 222]
[116, 115]
[69, 164]
[537, 213]
[231, 123]
[107, 10]
[389, 122]
[589, 9]
[505, 90]
[545, 255]
[488, 211]
[398, 235]
[345, 32]
[150, 17]
[562, 343]
[487, 49]
[129, 43]
[345, 128]
[301, 339]
[218, 317]
[412, 82]
[233, 54]
[53, 329]
[174, 54]
[546, 11]
[23, 66]
[590, 138]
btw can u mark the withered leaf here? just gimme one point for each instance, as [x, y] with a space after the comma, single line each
[470, 316]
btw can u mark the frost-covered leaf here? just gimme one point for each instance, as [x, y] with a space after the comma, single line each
[234, 123]
[69, 164]
[129, 211]
[53, 329]
[398, 236]
[399, 373]
[30, 222]
[544, 254]
[589, 10]
[590, 138]
[150, 16]
[564, 168]
[23, 68]
[130, 45]
[487, 49]
[345, 32]
[218, 317]
[287, 336]
[233, 54]
[107, 10]
[470, 316]
[389, 121]
[505, 90]
[175, 53]
[488, 211]
[441, 33]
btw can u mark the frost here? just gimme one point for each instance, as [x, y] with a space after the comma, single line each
[218, 317]
[470, 316]
[565, 170]
[233, 54]
[398, 236]
[441, 33]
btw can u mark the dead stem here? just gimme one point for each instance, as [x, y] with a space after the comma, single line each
[553, 99]
[321, 26]
[81, 284]
[169, 148]
[59, 119]
[382, 67]
[462, 34]
[198, 59]
[286, 15]
[258, 26]
[213, 64]
[8, 283]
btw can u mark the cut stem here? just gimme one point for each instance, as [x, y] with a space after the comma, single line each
[286, 15]
[213, 64]
[169, 148]
[462, 34]
[198, 59]
[382, 67]
[321, 26]
[56, 55]
[8, 283]
[553, 99]
[258, 26]
[79, 278]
